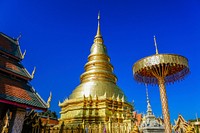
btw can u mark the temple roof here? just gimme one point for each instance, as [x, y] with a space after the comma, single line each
[180, 122]
[10, 46]
[19, 93]
[14, 68]
[14, 86]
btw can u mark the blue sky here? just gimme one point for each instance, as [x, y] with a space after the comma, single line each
[58, 35]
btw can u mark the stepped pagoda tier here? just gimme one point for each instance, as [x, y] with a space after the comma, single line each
[16, 94]
[97, 99]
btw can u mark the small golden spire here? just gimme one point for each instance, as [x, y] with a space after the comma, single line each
[98, 37]
[155, 45]
[98, 28]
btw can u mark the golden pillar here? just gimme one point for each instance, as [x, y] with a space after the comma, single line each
[165, 111]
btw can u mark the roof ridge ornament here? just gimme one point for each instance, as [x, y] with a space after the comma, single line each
[155, 43]
[33, 72]
[17, 39]
[23, 55]
[49, 100]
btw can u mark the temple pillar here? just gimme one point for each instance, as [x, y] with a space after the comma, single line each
[17, 120]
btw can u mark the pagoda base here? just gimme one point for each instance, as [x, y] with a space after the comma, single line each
[94, 110]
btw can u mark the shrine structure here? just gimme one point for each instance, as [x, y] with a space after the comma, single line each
[98, 99]
[16, 93]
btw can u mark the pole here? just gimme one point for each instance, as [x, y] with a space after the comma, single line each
[165, 110]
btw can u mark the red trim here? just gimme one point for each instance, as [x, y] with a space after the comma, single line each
[21, 105]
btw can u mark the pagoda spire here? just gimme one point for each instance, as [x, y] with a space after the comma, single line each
[149, 110]
[98, 37]
[98, 78]
[98, 65]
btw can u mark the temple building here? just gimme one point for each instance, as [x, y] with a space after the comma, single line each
[39, 122]
[182, 126]
[149, 123]
[16, 93]
[97, 99]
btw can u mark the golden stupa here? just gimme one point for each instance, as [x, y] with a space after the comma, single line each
[97, 99]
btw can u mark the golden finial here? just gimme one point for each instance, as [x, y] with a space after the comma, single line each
[155, 43]
[33, 72]
[49, 100]
[105, 94]
[113, 97]
[23, 55]
[118, 97]
[123, 99]
[66, 99]
[98, 16]
[98, 35]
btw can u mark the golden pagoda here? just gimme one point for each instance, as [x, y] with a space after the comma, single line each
[97, 99]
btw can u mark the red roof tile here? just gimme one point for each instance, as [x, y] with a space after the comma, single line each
[19, 93]
[13, 88]
[13, 67]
